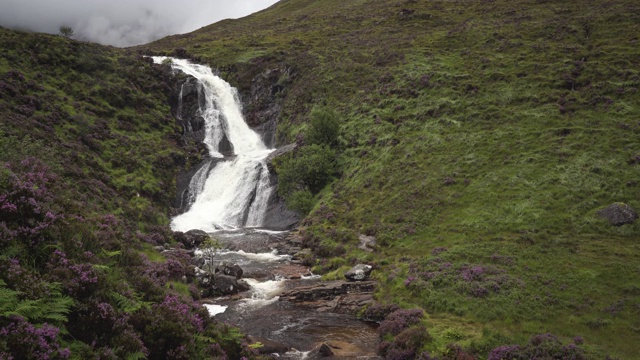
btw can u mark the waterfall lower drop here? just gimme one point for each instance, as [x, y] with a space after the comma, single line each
[235, 192]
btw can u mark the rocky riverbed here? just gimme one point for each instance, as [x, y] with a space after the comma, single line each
[279, 303]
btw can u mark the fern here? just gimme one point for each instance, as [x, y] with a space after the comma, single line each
[137, 356]
[53, 309]
[111, 253]
[101, 267]
[8, 299]
[205, 339]
[129, 305]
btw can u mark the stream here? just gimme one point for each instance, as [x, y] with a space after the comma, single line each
[261, 314]
[290, 311]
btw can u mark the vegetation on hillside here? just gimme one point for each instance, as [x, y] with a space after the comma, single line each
[480, 139]
[89, 153]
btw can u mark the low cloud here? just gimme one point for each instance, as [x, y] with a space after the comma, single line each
[122, 22]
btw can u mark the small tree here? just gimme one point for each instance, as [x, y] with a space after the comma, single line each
[210, 248]
[325, 127]
[66, 31]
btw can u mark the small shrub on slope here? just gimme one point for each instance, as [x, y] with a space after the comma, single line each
[324, 127]
[542, 347]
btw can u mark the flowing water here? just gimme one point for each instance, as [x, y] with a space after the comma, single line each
[229, 198]
[235, 192]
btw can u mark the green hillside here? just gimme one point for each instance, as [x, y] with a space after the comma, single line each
[89, 153]
[478, 140]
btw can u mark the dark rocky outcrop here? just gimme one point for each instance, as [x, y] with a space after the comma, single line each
[327, 290]
[268, 346]
[226, 284]
[191, 239]
[279, 152]
[333, 296]
[278, 217]
[618, 214]
[185, 105]
[261, 103]
[230, 270]
[359, 272]
[334, 349]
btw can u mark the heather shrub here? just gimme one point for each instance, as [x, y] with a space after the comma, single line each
[400, 333]
[168, 329]
[398, 321]
[78, 279]
[107, 328]
[406, 344]
[21, 340]
[26, 203]
[542, 347]
[23, 279]
[455, 352]
[378, 312]
[478, 281]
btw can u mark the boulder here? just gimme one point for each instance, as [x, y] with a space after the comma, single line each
[367, 243]
[325, 350]
[359, 272]
[198, 261]
[269, 346]
[191, 239]
[243, 286]
[618, 214]
[228, 285]
[230, 269]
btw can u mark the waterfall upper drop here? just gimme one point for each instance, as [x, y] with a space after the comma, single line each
[234, 191]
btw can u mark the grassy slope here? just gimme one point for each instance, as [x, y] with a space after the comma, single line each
[99, 118]
[103, 117]
[495, 129]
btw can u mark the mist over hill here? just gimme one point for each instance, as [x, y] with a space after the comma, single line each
[120, 22]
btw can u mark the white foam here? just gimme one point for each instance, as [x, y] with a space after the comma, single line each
[270, 232]
[259, 257]
[266, 290]
[215, 309]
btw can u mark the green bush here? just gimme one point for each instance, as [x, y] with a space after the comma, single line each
[304, 174]
[324, 127]
[301, 201]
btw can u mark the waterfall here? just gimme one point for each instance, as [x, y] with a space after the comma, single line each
[232, 192]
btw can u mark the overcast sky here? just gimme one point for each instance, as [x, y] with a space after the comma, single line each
[123, 22]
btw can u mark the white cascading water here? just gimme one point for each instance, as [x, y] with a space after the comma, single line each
[236, 191]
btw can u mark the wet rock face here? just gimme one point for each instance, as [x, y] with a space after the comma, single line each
[618, 214]
[261, 103]
[185, 108]
[278, 217]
